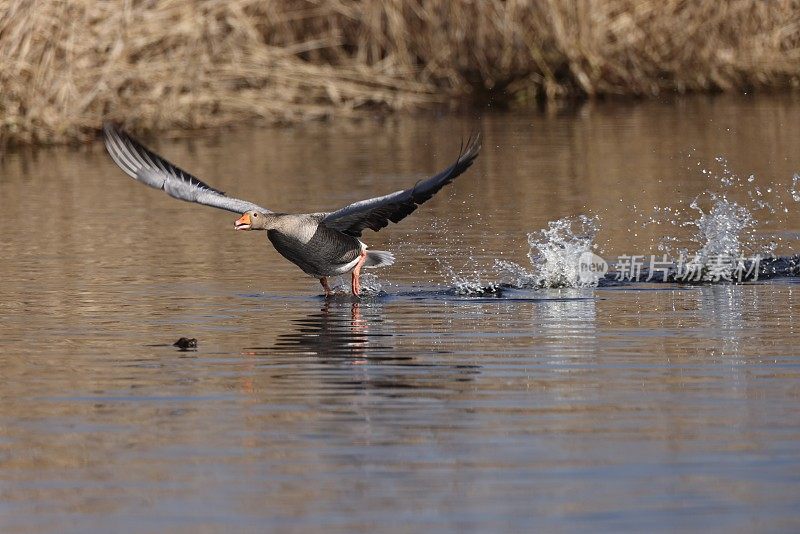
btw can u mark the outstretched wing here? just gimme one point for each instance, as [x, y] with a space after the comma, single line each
[147, 167]
[375, 213]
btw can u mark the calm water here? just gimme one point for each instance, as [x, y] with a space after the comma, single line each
[427, 405]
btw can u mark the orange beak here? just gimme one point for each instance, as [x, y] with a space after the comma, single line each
[242, 223]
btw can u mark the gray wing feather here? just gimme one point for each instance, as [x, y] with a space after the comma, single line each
[375, 213]
[144, 165]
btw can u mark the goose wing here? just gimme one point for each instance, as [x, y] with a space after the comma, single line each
[144, 165]
[375, 213]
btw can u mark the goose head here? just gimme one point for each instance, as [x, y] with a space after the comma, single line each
[251, 220]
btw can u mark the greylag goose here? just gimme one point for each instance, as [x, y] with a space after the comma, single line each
[321, 244]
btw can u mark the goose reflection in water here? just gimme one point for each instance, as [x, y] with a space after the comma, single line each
[356, 344]
[342, 329]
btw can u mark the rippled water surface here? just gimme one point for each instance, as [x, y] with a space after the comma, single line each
[431, 404]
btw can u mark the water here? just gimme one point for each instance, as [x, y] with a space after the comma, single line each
[444, 400]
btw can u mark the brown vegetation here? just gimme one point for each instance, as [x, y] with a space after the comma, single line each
[68, 65]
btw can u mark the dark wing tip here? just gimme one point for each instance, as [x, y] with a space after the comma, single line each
[132, 156]
[377, 212]
[466, 156]
[422, 191]
[473, 148]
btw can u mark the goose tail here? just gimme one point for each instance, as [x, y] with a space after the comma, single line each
[378, 258]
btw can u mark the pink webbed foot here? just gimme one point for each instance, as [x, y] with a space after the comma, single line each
[355, 284]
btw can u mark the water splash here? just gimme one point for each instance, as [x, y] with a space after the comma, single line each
[468, 281]
[723, 237]
[339, 286]
[515, 274]
[370, 284]
[556, 251]
[723, 233]
[555, 255]
[723, 229]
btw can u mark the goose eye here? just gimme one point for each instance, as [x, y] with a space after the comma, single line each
[255, 215]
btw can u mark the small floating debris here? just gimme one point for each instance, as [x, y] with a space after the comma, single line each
[186, 343]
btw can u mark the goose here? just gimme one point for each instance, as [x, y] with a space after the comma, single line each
[321, 244]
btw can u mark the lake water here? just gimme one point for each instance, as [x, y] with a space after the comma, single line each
[435, 403]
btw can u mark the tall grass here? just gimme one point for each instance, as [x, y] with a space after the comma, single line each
[67, 65]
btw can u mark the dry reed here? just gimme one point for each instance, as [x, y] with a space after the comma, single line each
[67, 65]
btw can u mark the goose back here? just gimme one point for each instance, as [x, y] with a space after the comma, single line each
[318, 250]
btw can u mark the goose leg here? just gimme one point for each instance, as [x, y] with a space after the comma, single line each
[356, 283]
[325, 286]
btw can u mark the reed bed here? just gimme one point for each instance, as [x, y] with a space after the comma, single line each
[65, 66]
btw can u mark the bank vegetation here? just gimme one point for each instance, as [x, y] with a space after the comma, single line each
[65, 66]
